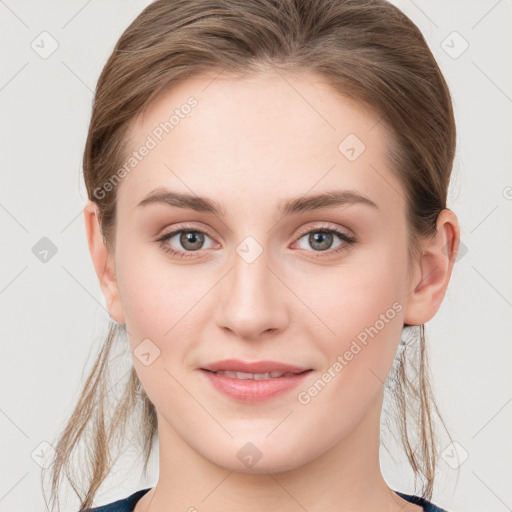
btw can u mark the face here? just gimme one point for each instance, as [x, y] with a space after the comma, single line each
[321, 289]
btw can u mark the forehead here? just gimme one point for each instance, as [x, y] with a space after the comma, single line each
[268, 134]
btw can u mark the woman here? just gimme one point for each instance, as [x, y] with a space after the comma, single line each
[267, 188]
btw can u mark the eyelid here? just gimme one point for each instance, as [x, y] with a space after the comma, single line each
[186, 227]
[325, 226]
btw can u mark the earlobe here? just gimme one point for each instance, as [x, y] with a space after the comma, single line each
[103, 261]
[433, 271]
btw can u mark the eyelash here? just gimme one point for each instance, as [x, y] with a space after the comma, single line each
[348, 240]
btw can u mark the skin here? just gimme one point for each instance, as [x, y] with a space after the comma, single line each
[250, 144]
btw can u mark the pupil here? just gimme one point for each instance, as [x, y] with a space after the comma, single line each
[322, 239]
[193, 238]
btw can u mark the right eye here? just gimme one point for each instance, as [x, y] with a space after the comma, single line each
[189, 238]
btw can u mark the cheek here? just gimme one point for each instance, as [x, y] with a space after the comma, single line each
[364, 312]
[161, 307]
[361, 308]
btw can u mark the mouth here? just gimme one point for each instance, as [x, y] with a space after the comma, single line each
[254, 376]
[254, 368]
[253, 382]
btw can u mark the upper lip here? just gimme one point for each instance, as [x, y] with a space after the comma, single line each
[236, 365]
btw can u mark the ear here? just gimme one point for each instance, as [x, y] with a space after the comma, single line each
[433, 270]
[103, 261]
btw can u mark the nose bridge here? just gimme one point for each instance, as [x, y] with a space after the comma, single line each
[252, 301]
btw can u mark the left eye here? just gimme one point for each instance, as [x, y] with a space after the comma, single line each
[321, 239]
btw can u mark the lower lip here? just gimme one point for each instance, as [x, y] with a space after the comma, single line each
[248, 390]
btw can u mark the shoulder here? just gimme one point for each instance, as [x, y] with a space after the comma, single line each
[418, 500]
[122, 505]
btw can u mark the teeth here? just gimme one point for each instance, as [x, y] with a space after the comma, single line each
[253, 376]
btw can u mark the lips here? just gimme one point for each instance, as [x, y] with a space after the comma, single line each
[253, 382]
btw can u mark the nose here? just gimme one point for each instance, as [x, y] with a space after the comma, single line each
[252, 299]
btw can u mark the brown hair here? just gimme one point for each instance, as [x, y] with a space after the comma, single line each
[367, 50]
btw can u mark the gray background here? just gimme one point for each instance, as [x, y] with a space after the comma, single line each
[53, 317]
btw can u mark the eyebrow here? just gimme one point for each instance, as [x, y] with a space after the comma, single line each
[290, 206]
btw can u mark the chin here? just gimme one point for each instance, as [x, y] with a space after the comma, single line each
[255, 457]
